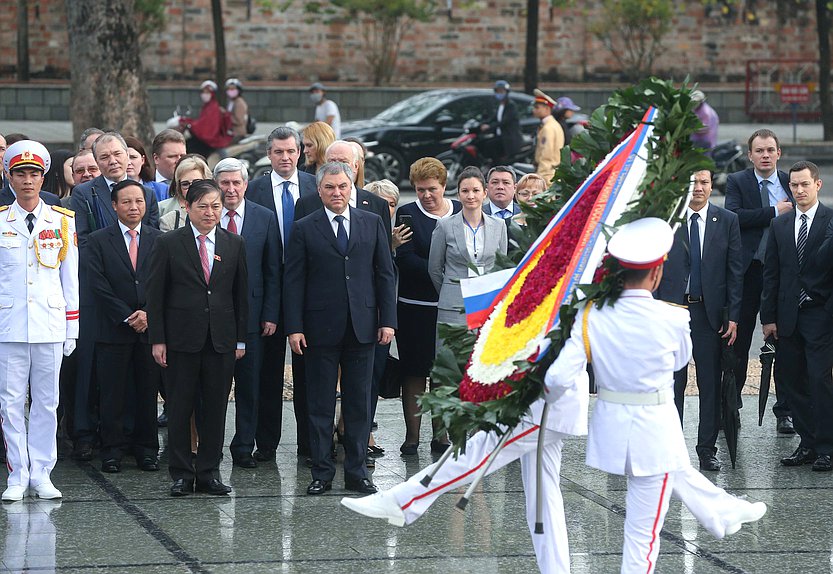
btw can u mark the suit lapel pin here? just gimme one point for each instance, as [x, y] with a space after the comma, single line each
[217, 258]
[365, 202]
[714, 219]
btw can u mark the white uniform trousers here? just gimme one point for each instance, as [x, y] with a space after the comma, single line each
[647, 505]
[30, 459]
[551, 548]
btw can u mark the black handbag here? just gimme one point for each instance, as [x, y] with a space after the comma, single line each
[390, 387]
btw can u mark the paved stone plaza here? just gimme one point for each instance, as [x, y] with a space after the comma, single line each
[127, 523]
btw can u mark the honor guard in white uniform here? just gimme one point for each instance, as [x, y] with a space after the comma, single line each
[38, 319]
[635, 346]
[567, 416]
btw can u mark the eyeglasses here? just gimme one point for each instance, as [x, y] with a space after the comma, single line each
[82, 170]
[185, 184]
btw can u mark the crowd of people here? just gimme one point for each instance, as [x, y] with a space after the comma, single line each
[130, 275]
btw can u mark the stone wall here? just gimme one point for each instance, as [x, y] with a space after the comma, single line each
[480, 42]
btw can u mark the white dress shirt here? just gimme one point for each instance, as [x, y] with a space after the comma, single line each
[331, 215]
[241, 215]
[277, 194]
[811, 215]
[494, 208]
[161, 178]
[126, 236]
[209, 244]
[22, 213]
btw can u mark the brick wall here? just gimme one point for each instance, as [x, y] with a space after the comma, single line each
[480, 43]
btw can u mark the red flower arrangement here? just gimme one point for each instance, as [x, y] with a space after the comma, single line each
[553, 263]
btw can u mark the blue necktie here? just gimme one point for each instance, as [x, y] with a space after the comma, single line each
[288, 203]
[341, 235]
[504, 214]
[695, 286]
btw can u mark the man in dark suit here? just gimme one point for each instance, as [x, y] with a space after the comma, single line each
[93, 211]
[339, 302]
[757, 195]
[500, 187]
[796, 309]
[259, 228]
[344, 152]
[280, 191]
[506, 124]
[197, 302]
[704, 271]
[118, 266]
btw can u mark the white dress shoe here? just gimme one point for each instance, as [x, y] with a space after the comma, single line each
[745, 512]
[47, 491]
[379, 505]
[14, 493]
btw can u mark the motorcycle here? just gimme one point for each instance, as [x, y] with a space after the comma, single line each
[728, 158]
[467, 150]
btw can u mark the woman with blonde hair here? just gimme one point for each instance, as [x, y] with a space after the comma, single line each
[188, 169]
[317, 137]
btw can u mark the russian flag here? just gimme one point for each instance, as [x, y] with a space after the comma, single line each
[479, 293]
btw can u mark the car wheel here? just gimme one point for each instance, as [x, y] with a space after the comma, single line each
[261, 170]
[373, 171]
[390, 163]
[453, 168]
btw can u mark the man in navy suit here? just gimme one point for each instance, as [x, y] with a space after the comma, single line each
[704, 271]
[93, 211]
[500, 187]
[796, 309]
[339, 303]
[259, 228]
[118, 268]
[344, 152]
[280, 191]
[757, 195]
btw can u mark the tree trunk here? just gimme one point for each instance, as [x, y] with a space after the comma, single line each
[108, 89]
[219, 47]
[22, 41]
[531, 63]
[823, 28]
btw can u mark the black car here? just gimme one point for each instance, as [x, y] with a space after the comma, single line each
[424, 125]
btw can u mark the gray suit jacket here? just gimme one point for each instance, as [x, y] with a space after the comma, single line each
[448, 260]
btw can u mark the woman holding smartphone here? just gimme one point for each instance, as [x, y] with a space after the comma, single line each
[417, 304]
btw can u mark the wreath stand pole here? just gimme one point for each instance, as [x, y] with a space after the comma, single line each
[539, 472]
[461, 504]
[426, 480]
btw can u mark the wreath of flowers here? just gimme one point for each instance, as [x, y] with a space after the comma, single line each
[488, 382]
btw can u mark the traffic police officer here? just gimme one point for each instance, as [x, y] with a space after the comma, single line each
[635, 430]
[38, 319]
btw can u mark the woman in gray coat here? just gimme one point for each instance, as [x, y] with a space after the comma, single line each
[464, 245]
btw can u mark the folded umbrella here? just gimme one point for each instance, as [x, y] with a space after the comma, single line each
[767, 357]
[729, 400]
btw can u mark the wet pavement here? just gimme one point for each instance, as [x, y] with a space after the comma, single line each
[126, 522]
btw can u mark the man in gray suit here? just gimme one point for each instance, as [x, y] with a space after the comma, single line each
[704, 271]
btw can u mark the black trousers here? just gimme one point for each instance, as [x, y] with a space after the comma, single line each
[706, 351]
[380, 359]
[750, 305]
[85, 416]
[203, 380]
[247, 397]
[128, 391]
[322, 363]
[270, 409]
[808, 356]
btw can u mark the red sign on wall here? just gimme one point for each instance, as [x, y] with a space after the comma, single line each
[795, 94]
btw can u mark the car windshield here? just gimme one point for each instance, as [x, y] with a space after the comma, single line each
[412, 110]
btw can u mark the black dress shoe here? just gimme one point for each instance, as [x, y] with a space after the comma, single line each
[213, 487]
[800, 456]
[182, 487]
[111, 465]
[319, 486]
[785, 425]
[162, 421]
[148, 463]
[709, 462]
[83, 451]
[264, 454]
[245, 462]
[438, 447]
[823, 464]
[364, 486]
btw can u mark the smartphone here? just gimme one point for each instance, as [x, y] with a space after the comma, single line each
[406, 220]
